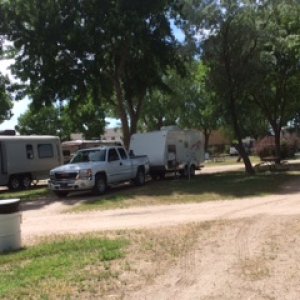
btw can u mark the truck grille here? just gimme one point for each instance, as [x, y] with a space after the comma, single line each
[65, 176]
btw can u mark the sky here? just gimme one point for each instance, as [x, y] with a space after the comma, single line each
[21, 106]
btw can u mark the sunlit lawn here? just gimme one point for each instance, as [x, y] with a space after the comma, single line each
[33, 193]
[58, 269]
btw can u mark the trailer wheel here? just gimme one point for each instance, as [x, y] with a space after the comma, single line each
[100, 186]
[192, 171]
[14, 183]
[184, 172]
[140, 177]
[154, 176]
[162, 175]
[61, 194]
[26, 181]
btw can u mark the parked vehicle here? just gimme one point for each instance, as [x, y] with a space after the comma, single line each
[69, 148]
[170, 149]
[27, 158]
[97, 168]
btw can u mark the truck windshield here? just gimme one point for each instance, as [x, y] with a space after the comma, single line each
[88, 155]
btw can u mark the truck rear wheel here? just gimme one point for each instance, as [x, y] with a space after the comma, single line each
[14, 183]
[100, 186]
[140, 177]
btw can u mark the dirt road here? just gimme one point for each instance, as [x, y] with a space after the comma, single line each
[51, 218]
[255, 255]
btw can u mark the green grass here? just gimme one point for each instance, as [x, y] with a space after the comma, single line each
[26, 195]
[208, 187]
[57, 269]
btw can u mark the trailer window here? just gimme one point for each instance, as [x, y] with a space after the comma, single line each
[29, 152]
[45, 150]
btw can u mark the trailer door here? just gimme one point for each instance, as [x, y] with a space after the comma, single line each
[3, 165]
[171, 157]
[3, 161]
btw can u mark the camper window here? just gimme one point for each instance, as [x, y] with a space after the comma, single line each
[29, 152]
[45, 150]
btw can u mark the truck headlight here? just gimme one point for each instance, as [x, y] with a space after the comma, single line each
[85, 174]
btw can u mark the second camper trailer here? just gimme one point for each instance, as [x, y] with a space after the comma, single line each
[170, 149]
[27, 158]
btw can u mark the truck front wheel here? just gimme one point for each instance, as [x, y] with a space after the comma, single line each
[140, 177]
[100, 185]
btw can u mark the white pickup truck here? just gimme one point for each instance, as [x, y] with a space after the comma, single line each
[97, 168]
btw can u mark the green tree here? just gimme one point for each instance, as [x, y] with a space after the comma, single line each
[5, 98]
[45, 121]
[60, 120]
[113, 50]
[163, 104]
[199, 109]
[86, 118]
[276, 91]
[229, 52]
[160, 109]
[184, 101]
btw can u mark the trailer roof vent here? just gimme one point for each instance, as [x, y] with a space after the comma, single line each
[8, 132]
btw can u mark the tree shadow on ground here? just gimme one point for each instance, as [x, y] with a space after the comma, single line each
[203, 187]
[206, 187]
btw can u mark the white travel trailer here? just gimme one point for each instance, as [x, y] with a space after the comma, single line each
[27, 158]
[169, 150]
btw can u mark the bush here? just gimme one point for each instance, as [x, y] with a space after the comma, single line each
[266, 147]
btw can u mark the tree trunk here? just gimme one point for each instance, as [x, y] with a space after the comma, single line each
[133, 124]
[232, 107]
[122, 111]
[248, 166]
[277, 145]
[206, 139]
[135, 113]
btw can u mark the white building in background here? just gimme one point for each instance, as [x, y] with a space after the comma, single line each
[112, 134]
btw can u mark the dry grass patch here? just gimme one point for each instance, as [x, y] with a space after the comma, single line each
[255, 268]
[108, 265]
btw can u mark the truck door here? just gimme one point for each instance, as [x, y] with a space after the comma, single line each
[171, 157]
[114, 166]
[126, 165]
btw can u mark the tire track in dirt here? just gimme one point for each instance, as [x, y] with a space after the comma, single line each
[241, 259]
